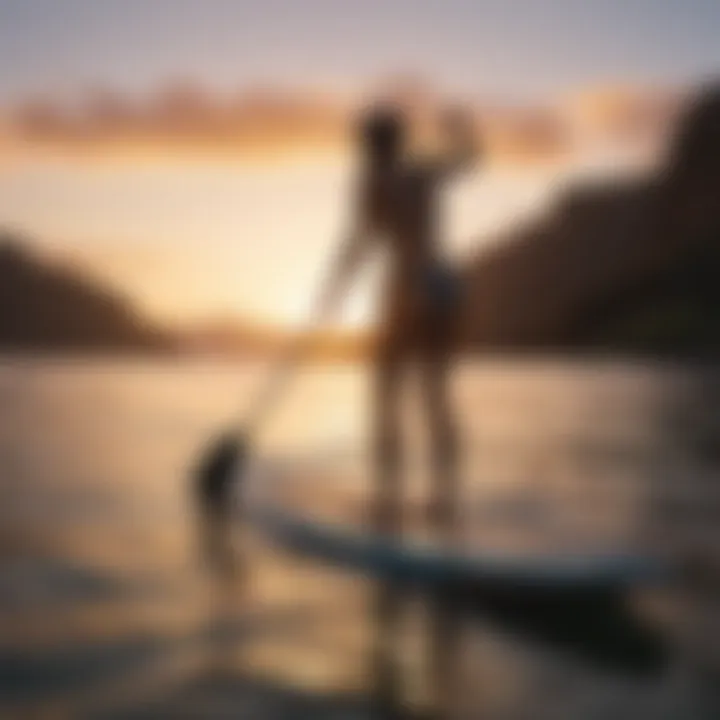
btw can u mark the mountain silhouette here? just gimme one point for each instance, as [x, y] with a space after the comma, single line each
[629, 267]
[50, 307]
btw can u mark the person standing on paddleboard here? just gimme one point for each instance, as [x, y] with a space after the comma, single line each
[396, 208]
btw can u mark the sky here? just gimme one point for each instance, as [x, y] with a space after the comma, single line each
[196, 241]
[516, 46]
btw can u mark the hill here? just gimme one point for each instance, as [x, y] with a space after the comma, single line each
[633, 267]
[51, 307]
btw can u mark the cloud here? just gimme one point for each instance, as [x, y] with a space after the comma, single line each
[524, 134]
[180, 117]
[623, 112]
[185, 118]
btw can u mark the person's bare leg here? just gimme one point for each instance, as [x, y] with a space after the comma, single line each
[443, 624]
[387, 500]
[386, 508]
[443, 441]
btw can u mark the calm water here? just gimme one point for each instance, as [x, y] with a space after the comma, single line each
[110, 611]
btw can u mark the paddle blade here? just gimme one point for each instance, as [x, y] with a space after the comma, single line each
[222, 464]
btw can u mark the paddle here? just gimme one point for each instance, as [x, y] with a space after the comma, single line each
[224, 460]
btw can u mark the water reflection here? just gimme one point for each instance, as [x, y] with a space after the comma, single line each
[439, 657]
[435, 691]
[104, 607]
[598, 630]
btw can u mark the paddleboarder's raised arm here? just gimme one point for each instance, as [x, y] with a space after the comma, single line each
[465, 149]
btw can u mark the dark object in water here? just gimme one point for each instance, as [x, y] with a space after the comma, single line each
[593, 625]
[224, 462]
[220, 469]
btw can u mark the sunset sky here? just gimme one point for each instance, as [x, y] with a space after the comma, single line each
[193, 238]
[517, 46]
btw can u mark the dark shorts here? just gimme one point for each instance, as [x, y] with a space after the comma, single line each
[424, 322]
[443, 290]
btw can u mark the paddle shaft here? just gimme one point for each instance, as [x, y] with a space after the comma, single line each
[285, 367]
[280, 375]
